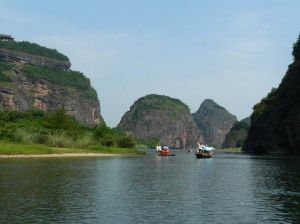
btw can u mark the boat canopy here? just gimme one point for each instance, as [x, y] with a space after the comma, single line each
[207, 148]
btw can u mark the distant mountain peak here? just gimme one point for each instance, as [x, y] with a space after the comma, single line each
[214, 121]
[162, 119]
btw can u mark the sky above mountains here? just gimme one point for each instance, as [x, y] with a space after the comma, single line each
[231, 51]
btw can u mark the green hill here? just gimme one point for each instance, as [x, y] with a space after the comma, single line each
[161, 119]
[238, 134]
[275, 121]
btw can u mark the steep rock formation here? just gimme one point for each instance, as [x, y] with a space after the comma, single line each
[238, 134]
[163, 118]
[22, 57]
[38, 82]
[275, 121]
[214, 121]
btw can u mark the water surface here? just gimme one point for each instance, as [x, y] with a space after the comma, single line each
[230, 188]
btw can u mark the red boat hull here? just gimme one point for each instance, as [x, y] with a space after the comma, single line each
[166, 153]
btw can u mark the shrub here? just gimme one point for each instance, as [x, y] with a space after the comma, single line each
[59, 140]
[33, 49]
[27, 138]
[84, 142]
[58, 76]
[4, 67]
[57, 129]
[126, 142]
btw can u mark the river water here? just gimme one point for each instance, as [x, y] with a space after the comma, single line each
[229, 188]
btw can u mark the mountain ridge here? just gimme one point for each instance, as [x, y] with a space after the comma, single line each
[40, 78]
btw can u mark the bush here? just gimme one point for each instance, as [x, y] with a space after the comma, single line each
[4, 67]
[4, 77]
[83, 142]
[33, 49]
[27, 138]
[126, 142]
[105, 135]
[57, 129]
[59, 140]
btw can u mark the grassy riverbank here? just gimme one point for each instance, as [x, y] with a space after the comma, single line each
[230, 150]
[19, 149]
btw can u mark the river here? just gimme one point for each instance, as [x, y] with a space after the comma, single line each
[229, 188]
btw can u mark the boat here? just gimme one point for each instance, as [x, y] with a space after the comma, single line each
[205, 152]
[165, 151]
[204, 155]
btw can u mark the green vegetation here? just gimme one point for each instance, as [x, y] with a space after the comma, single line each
[33, 49]
[59, 130]
[150, 143]
[58, 76]
[19, 149]
[275, 121]
[66, 78]
[296, 49]
[174, 107]
[4, 67]
[238, 134]
[230, 150]
[161, 102]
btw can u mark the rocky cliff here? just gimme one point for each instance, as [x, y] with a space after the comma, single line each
[275, 121]
[25, 58]
[214, 122]
[163, 118]
[238, 134]
[34, 77]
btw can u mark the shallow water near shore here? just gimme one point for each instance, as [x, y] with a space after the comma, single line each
[230, 188]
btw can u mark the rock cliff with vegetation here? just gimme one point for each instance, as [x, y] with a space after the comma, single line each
[161, 119]
[214, 122]
[238, 134]
[35, 77]
[275, 121]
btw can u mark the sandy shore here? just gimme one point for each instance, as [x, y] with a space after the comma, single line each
[62, 155]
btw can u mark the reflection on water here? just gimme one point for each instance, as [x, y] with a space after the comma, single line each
[226, 189]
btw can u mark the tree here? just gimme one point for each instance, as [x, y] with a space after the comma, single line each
[296, 50]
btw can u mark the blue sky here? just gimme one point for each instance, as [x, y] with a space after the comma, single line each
[231, 51]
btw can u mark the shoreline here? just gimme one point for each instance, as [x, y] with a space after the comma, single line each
[62, 155]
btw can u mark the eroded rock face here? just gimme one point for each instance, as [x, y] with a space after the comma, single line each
[165, 119]
[34, 88]
[22, 57]
[25, 94]
[7, 99]
[214, 121]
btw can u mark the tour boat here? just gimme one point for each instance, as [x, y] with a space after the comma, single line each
[204, 155]
[205, 152]
[165, 152]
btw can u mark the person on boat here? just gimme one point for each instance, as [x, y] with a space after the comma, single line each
[159, 147]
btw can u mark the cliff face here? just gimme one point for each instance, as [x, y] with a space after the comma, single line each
[165, 119]
[22, 57]
[275, 121]
[214, 121]
[45, 83]
[238, 134]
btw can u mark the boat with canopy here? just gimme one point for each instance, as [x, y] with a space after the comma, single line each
[204, 151]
